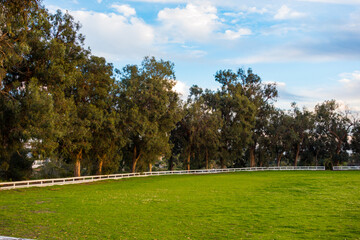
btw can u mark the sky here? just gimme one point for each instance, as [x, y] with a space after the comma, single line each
[309, 48]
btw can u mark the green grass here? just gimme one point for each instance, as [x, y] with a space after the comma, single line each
[258, 205]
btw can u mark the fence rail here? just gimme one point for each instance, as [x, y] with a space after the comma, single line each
[84, 179]
[343, 168]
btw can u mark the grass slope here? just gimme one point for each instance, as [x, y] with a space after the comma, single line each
[259, 205]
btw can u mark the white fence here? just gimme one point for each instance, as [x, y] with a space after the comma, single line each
[84, 179]
[342, 168]
[62, 181]
[207, 171]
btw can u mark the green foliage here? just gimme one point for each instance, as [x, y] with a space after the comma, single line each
[197, 136]
[56, 168]
[59, 97]
[299, 130]
[242, 101]
[16, 19]
[334, 126]
[150, 109]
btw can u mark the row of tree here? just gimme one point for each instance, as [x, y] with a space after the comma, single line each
[238, 126]
[60, 102]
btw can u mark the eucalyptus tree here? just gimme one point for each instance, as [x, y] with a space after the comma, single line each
[334, 126]
[26, 111]
[237, 114]
[209, 135]
[186, 132]
[279, 135]
[262, 96]
[96, 94]
[197, 135]
[63, 73]
[264, 151]
[150, 108]
[50, 59]
[302, 124]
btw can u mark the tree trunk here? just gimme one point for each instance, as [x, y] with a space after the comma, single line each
[101, 162]
[279, 159]
[222, 162]
[100, 166]
[252, 156]
[135, 160]
[206, 159]
[297, 154]
[336, 162]
[316, 157]
[337, 156]
[150, 167]
[171, 163]
[188, 161]
[77, 169]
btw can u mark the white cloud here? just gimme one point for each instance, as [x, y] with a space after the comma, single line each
[246, 10]
[192, 23]
[124, 9]
[286, 13]
[284, 54]
[99, 1]
[232, 35]
[345, 92]
[233, 14]
[195, 54]
[283, 29]
[257, 10]
[351, 81]
[116, 37]
[182, 89]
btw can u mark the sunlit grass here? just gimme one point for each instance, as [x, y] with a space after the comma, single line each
[259, 205]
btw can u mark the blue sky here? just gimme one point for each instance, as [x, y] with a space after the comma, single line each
[310, 48]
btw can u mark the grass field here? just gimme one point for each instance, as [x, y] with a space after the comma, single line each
[258, 205]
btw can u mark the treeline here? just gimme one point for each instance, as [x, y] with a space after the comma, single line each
[60, 102]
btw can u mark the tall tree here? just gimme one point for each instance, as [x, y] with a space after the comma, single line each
[78, 84]
[26, 111]
[150, 107]
[106, 139]
[237, 113]
[197, 135]
[278, 133]
[302, 123]
[184, 136]
[334, 126]
[261, 95]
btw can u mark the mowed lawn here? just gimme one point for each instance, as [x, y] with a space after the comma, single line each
[257, 205]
